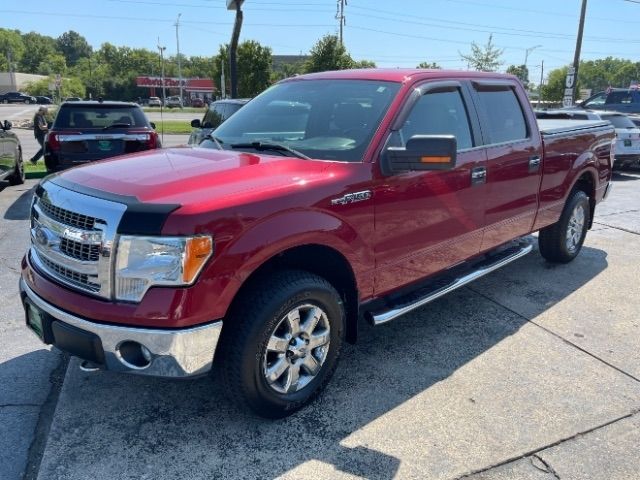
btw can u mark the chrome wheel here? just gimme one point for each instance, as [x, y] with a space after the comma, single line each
[575, 228]
[297, 349]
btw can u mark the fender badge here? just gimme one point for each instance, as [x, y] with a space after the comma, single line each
[352, 198]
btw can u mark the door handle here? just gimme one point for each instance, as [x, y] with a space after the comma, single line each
[534, 163]
[478, 175]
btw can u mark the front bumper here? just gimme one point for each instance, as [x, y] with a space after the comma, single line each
[174, 353]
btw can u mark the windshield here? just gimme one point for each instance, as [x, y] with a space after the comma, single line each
[322, 119]
[619, 121]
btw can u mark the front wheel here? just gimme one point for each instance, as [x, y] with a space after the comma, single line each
[281, 346]
[562, 241]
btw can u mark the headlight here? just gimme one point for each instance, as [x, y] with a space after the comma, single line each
[143, 262]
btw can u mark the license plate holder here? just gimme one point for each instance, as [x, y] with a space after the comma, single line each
[35, 319]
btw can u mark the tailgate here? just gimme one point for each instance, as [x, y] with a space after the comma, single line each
[88, 147]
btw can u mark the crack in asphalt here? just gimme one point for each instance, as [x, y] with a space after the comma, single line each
[547, 465]
[546, 447]
[617, 228]
[45, 418]
[568, 342]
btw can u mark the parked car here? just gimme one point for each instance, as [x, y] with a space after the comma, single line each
[92, 130]
[154, 102]
[376, 192]
[217, 113]
[42, 100]
[197, 102]
[11, 163]
[173, 102]
[16, 97]
[627, 146]
[625, 100]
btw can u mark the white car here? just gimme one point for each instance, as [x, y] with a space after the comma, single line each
[173, 102]
[154, 102]
[627, 147]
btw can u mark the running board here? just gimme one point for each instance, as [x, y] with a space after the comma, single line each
[428, 294]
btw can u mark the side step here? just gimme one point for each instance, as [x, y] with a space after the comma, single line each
[442, 286]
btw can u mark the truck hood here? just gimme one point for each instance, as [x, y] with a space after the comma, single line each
[195, 176]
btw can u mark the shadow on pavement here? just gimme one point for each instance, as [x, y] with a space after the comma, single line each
[169, 429]
[625, 176]
[19, 210]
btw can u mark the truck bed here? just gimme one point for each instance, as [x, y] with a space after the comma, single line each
[558, 127]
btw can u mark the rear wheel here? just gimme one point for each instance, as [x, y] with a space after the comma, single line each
[18, 176]
[562, 241]
[281, 346]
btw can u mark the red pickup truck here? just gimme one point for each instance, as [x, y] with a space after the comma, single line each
[328, 198]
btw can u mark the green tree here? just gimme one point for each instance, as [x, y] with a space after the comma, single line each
[553, 90]
[39, 48]
[364, 64]
[432, 65]
[484, 58]
[254, 68]
[520, 71]
[328, 54]
[53, 64]
[70, 87]
[11, 45]
[73, 46]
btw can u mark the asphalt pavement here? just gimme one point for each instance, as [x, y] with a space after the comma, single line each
[532, 372]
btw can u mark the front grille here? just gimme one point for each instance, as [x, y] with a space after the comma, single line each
[80, 251]
[80, 279]
[68, 217]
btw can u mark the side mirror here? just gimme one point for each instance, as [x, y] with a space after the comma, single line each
[422, 152]
[7, 125]
[195, 123]
[153, 125]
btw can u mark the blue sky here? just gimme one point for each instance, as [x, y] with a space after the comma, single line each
[400, 33]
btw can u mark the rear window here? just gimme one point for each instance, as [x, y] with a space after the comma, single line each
[619, 121]
[620, 97]
[99, 116]
[504, 114]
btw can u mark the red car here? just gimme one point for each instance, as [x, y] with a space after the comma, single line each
[328, 197]
[197, 102]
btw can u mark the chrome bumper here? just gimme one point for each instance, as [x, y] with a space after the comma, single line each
[173, 353]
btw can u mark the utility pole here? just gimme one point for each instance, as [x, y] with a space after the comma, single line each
[576, 57]
[179, 62]
[540, 85]
[340, 17]
[233, 62]
[223, 86]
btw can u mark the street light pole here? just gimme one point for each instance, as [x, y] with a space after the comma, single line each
[233, 63]
[161, 50]
[526, 57]
[179, 62]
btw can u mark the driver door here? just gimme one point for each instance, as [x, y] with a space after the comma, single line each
[427, 221]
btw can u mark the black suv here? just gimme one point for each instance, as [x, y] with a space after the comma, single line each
[11, 166]
[17, 97]
[217, 113]
[92, 130]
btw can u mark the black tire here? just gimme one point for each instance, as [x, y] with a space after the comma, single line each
[243, 356]
[18, 176]
[555, 246]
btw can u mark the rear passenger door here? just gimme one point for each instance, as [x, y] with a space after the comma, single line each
[514, 160]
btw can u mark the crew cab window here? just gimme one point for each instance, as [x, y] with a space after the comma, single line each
[438, 113]
[619, 97]
[503, 114]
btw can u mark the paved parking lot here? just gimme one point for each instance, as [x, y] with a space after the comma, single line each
[533, 372]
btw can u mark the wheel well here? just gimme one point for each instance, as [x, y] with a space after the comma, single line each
[322, 261]
[586, 184]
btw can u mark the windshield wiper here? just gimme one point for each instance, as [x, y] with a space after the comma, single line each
[117, 125]
[216, 140]
[276, 147]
